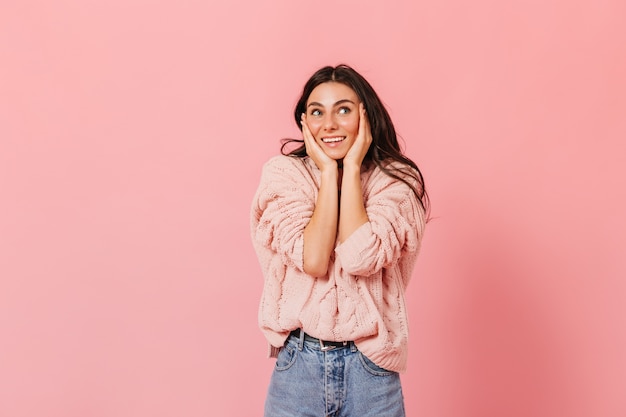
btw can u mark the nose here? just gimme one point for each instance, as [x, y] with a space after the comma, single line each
[329, 122]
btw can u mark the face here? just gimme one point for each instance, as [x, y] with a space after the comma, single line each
[332, 114]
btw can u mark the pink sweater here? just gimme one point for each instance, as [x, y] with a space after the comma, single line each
[362, 296]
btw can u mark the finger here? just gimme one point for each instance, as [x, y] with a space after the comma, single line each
[306, 132]
[311, 146]
[365, 125]
[364, 128]
[362, 120]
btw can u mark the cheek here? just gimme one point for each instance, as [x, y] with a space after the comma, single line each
[314, 126]
[351, 125]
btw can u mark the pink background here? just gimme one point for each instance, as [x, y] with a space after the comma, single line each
[132, 133]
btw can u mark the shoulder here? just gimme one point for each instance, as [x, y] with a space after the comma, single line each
[284, 163]
[381, 174]
[282, 169]
[394, 181]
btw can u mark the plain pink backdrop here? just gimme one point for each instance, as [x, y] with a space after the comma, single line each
[132, 134]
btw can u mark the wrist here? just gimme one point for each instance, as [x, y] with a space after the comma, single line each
[330, 171]
[351, 167]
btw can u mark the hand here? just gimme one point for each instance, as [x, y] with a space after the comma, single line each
[315, 152]
[362, 143]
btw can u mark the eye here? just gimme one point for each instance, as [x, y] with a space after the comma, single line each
[344, 110]
[316, 112]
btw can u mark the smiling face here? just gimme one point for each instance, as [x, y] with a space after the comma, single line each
[332, 114]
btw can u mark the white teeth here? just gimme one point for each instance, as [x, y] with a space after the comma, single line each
[332, 140]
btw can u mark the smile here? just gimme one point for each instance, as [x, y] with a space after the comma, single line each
[333, 139]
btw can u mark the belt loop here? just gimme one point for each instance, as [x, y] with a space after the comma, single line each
[301, 341]
[353, 347]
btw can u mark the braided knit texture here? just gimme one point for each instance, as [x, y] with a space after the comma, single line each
[362, 296]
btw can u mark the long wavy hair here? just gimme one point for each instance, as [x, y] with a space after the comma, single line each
[384, 148]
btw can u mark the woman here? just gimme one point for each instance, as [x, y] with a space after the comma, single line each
[337, 225]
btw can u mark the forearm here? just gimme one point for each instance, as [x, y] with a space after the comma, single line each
[352, 214]
[321, 232]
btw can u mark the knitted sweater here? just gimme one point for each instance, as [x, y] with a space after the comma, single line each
[361, 298]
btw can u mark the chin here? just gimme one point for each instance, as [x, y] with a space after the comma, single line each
[336, 157]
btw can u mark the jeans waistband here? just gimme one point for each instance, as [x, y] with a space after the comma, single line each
[325, 345]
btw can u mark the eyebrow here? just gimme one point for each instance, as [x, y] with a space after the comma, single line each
[345, 100]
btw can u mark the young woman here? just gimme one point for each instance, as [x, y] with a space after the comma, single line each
[337, 225]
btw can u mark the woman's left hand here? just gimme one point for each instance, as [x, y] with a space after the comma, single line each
[359, 148]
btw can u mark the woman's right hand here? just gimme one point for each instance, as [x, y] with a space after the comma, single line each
[313, 149]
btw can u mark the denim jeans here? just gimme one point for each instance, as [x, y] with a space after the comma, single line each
[341, 382]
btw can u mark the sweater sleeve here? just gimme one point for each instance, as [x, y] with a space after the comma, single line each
[395, 227]
[281, 209]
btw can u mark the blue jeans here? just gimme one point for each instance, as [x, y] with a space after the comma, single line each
[342, 382]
